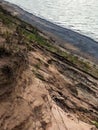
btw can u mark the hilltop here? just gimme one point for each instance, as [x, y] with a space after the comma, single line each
[43, 86]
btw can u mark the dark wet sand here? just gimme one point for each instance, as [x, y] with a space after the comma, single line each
[66, 38]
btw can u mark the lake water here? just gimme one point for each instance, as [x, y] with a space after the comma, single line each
[78, 15]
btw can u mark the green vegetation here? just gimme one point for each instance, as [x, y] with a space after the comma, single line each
[95, 123]
[83, 65]
[30, 36]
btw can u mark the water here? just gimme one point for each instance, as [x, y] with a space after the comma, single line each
[78, 15]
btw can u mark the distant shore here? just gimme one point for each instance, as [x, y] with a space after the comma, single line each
[65, 38]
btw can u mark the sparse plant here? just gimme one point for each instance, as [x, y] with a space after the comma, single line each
[37, 66]
[95, 123]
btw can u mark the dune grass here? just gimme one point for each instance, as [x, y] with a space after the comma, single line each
[31, 35]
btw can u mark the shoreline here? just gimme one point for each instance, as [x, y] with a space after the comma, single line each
[41, 85]
[65, 38]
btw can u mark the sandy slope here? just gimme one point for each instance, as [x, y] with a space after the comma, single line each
[40, 90]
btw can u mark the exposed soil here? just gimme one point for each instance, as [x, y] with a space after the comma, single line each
[40, 90]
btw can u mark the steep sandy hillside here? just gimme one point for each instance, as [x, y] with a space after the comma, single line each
[43, 87]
